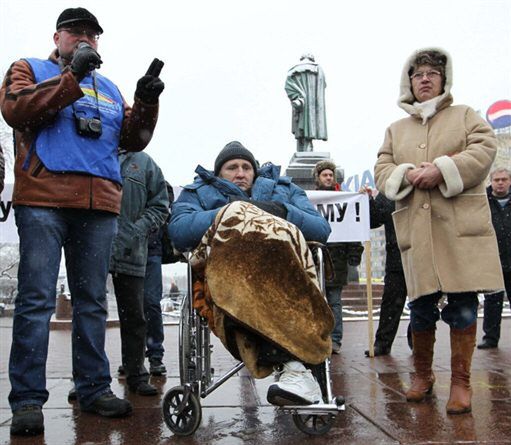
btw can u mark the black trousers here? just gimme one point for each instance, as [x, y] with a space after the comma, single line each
[129, 293]
[493, 304]
[392, 304]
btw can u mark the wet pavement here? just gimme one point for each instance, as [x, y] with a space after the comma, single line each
[237, 413]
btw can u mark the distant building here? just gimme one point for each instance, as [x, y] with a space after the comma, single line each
[503, 158]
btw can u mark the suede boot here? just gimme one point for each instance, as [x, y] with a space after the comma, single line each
[423, 343]
[462, 346]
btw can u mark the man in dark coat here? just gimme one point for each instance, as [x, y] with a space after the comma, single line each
[153, 291]
[144, 207]
[394, 291]
[499, 197]
[342, 254]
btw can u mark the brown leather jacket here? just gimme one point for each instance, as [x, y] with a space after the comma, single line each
[27, 106]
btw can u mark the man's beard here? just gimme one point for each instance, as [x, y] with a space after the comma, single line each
[326, 187]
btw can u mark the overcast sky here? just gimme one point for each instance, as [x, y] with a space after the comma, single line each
[226, 63]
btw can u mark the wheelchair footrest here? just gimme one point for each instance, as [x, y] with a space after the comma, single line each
[315, 409]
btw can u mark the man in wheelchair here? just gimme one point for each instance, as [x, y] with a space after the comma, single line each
[254, 276]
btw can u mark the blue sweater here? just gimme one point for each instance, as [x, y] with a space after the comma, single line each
[197, 205]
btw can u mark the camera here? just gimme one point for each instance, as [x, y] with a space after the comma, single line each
[89, 127]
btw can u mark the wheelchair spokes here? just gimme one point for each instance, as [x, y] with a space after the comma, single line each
[182, 411]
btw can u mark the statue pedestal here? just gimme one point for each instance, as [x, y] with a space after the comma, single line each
[301, 165]
[64, 309]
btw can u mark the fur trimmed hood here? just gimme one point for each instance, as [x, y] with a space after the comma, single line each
[429, 108]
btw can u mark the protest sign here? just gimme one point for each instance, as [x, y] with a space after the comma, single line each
[346, 212]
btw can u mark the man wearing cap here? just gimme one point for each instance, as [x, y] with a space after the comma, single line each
[342, 254]
[68, 123]
[200, 205]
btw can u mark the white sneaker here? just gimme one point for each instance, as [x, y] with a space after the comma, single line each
[296, 386]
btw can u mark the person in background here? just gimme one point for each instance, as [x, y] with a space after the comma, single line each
[342, 254]
[434, 164]
[144, 208]
[69, 122]
[499, 198]
[394, 290]
[153, 291]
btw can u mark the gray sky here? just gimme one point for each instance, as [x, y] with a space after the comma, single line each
[226, 63]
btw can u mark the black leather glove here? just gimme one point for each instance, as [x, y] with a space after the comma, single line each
[273, 207]
[150, 86]
[233, 198]
[85, 59]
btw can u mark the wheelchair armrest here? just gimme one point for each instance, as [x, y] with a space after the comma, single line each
[327, 259]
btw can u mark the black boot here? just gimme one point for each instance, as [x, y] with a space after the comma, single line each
[143, 389]
[108, 405]
[27, 421]
[156, 367]
[379, 350]
[72, 395]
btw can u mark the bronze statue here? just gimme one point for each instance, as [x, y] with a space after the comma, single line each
[305, 87]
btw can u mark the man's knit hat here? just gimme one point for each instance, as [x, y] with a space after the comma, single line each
[324, 165]
[234, 150]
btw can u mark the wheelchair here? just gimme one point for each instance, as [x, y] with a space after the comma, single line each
[181, 406]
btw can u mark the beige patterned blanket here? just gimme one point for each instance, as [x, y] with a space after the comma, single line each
[257, 270]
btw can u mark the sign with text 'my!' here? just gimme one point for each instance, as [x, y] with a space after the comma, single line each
[346, 212]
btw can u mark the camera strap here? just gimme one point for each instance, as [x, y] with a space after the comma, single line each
[95, 88]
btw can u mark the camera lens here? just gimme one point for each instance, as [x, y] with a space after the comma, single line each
[95, 125]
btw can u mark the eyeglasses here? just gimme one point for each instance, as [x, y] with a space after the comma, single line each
[419, 75]
[89, 33]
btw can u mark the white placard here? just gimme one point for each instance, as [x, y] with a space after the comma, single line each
[346, 212]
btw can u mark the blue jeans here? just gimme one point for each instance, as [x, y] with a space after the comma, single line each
[86, 237]
[459, 313]
[153, 290]
[333, 296]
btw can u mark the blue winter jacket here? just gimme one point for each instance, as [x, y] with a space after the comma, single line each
[195, 209]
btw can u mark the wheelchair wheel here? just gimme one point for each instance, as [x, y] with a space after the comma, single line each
[314, 424]
[186, 368]
[181, 411]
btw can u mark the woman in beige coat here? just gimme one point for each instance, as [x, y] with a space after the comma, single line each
[433, 164]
